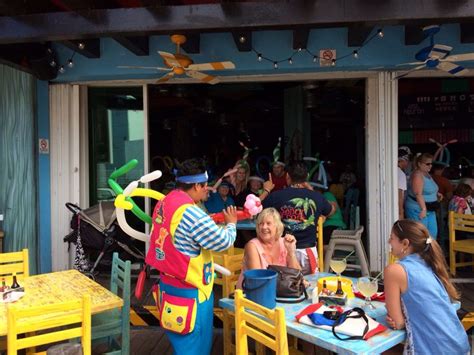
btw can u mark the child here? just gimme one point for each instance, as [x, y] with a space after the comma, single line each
[418, 293]
[460, 201]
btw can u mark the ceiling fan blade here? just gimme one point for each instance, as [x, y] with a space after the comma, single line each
[169, 58]
[452, 68]
[460, 57]
[412, 63]
[209, 79]
[408, 72]
[140, 67]
[165, 77]
[212, 66]
[440, 51]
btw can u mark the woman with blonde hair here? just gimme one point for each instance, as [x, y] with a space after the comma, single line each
[269, 248]
[422, 194]
[418, 293]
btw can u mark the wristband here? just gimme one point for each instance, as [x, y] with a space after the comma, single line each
[267, 191]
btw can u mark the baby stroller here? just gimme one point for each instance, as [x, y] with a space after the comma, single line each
[96, 233]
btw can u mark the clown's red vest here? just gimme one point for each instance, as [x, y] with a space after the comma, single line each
[176, 268]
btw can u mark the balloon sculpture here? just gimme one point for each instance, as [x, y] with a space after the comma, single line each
[124, 201]
[442, 155]
[252, 207]
[319, 167]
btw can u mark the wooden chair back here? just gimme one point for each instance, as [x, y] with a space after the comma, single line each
[463, 223]
[320, 243]
[14, 263]
[75, 315]
[265, 326]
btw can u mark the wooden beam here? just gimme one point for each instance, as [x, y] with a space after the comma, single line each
[33, 58]
[137, 45]
[210, 17]
[358, 34]
[243, 40]
[192, 44]
[300, 38]
[414, 34]
[91, 48]
[467, 32]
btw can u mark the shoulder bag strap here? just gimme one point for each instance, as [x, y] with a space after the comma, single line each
[360, 314]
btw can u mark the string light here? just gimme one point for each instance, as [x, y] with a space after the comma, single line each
[61, 69]
[242, 39]
[354, 53]
[81, 45]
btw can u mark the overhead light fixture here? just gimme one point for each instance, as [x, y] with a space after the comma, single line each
[242, 39]
[81, 45]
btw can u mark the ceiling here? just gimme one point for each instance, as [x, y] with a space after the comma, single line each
[27, 28]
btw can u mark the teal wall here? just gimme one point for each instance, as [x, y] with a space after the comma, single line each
[18, 200]
[379, 53]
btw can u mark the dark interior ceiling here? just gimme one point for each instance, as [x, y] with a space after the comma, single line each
[28, 27]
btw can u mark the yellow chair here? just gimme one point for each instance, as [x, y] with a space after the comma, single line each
[27, 321]
[465, 223]
[468, 321]
[320, 240]
[14, 263]
[265, 326]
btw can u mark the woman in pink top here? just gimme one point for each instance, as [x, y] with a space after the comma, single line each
[268, 248]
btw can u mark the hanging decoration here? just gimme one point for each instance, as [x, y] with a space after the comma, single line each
[290, 60]
[442, 155]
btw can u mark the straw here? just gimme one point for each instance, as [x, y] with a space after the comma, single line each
[352, 252]
[377, 277]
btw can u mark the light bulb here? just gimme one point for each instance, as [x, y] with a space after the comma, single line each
[61, 69]
[275, 65]
[81, 45]
[333, 62]
[52, 63]
[380, 33]
[315, 59]
[290, 61]
[70, 63]
[259, 57]
[300, 49]
[355, 54]
[242, 39]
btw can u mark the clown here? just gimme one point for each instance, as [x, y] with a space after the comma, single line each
[182, 238]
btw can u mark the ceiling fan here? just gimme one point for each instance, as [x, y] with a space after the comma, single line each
[179, 64]
[436, 56]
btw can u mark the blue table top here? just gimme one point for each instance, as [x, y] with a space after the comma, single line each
[325, 338]
[246, 224]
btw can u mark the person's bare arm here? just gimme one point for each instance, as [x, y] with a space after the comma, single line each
[290, 245]
[401, 198]
[417, 187]
[395, 280]
[252, 257]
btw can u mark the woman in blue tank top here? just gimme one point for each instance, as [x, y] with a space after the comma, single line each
[422, 193]
[418, 293]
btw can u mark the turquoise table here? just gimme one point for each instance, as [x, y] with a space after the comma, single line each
[325, 338]
[246, 225]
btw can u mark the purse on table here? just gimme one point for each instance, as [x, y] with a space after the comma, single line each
[290, 284]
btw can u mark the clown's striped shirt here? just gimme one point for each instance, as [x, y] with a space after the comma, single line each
[197, 230]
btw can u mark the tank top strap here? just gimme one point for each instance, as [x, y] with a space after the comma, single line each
[261, 252]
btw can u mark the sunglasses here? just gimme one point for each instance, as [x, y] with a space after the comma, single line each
[397, 223]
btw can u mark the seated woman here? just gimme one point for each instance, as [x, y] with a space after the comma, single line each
[269, 248]
[418, 293]
[460, 201]
[220, 200]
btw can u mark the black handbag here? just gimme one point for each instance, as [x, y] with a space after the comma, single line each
[432, 206]
[290, 284]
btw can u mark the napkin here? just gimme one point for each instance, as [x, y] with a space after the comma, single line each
[379, 296]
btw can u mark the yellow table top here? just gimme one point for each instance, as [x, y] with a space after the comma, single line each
[57, 287]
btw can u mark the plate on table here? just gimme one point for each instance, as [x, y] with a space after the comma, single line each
[11, 296]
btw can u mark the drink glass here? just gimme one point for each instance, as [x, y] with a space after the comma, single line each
[338, 265]
[368, 287]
